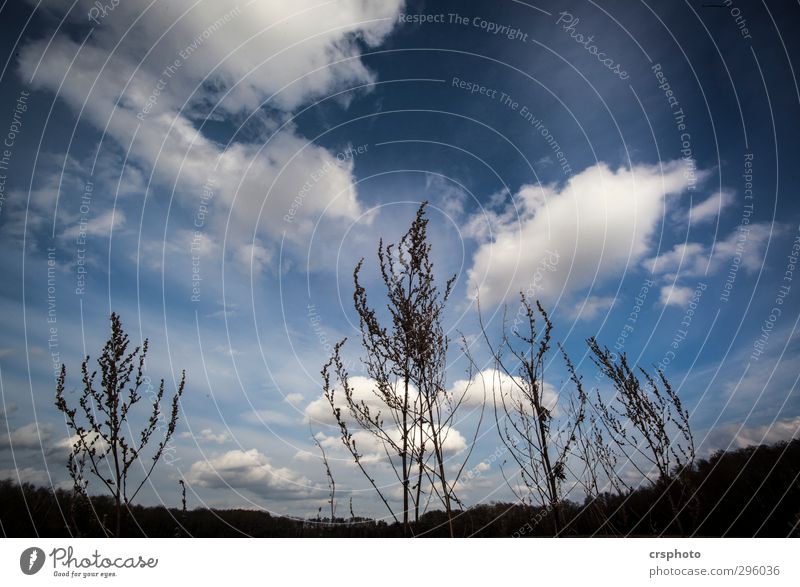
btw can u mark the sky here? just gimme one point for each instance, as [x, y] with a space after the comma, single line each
[213, 171]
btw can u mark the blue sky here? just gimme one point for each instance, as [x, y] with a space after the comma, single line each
[217, 169]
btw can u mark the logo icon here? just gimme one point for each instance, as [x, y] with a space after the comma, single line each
[31, 560]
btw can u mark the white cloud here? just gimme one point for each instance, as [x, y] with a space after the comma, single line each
[736, 436]
[319, 412]
[294, 398]
[483, 466]
[372, 449]
[751, 248]
[28, 436]
[256, 50]
[69, 442]
[449, 196]
[743, 246]
[242, 62]
[101, 225]
[591, 307]
[472, 391]
[491, 383]
[691, 258]
[26, 475]
[254, 257]
[711, 207]
[674, 295]
[207, 435]
[597, 224]
[249, 470]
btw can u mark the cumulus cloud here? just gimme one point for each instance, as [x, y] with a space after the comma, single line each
[249, 470]
[244, 52]
[491, 383]
[711, 207]
[749, 249]
[598, 223]
[26, 475]
[100, 225]
[591, 307]
[319, 411]
[92, 439]
[254, 256]
[736, 436]
[450, 196]
[234, 58]
[691, 258]
[744, 247]
[373, 451]
[294, 398]
[207, 435]
[674, 295]
[28, 436]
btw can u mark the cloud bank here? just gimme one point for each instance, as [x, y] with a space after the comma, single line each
[596, 225]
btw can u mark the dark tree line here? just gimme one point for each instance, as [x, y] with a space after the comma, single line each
[748, 492]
